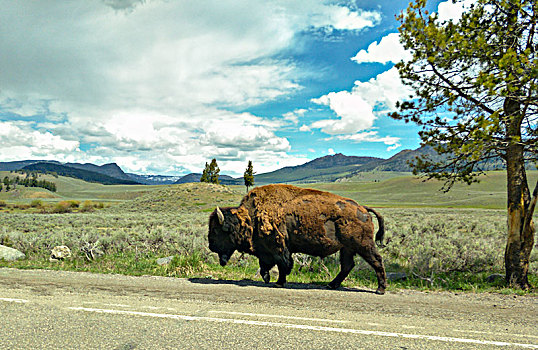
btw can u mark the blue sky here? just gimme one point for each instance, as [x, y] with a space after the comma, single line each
[165, 86]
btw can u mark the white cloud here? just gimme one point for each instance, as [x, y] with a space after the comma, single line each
[19, 141]
[151, 80]
[372, 136]
[331, 151]
[343, 18]
[449, 11]
[357, 109]
[353, 111]
[295, 115]
[305, 128]
[384, 90]
[389, 49]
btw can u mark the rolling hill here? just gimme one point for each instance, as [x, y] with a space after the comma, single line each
[195, 177]
[337, 167]
[19, 164]
[324, 169]
[86, 175]
[111, 170]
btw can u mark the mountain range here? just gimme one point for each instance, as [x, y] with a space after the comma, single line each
[325, 169]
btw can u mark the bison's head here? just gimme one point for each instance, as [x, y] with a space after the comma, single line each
[224, 226]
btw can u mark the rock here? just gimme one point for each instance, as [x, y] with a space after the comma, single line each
[10, 254]
[495, 278]
[165, 261]
[396, 276]
[60, 252]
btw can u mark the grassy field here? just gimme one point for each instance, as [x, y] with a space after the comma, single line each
[440, 242]
[411, 191]
[73, 189]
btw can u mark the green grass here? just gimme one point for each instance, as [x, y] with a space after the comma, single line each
[74, 189]
[438, 247]
[411, 191]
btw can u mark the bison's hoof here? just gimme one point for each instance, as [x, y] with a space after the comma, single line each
[380, 291]
[333, 286]
[266, 278]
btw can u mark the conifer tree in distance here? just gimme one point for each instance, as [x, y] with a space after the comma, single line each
[248, 176]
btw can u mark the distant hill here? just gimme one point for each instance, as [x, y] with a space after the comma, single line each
[111, 169]
[195, 177]
[399, 161]
[19, 164]
[328, 168]
[86, 175]
[337, 167]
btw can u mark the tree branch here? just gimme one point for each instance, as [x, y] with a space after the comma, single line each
[461, 92]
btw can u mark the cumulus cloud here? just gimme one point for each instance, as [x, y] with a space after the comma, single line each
[357, 110]
[449, 11]
[343, 18]
[151, 79]
[353, 111]
[18, 140]
[305, 128]
[389, 49]
[383, 91]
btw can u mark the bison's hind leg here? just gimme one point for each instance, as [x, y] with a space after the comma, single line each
[372, 257]
[346, 265]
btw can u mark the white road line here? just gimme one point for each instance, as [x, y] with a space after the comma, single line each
[482, 332]
[11, 300]
[276, 316]
[411, 327]
[97, 302]
[307, 327]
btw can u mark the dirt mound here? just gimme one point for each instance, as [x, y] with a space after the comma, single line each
[185, 197]
[39, 194]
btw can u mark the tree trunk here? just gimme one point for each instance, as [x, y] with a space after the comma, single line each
[520, 225]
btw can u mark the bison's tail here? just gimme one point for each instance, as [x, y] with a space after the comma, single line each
[381, 231]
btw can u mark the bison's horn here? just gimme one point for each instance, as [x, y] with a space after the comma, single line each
[220, 216]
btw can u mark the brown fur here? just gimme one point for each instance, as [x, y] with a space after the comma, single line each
[274, 221]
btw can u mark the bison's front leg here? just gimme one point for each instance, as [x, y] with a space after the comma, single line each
[285, 265]
[264, 271]
[281, 282]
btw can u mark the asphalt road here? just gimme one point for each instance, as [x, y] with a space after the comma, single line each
[66, 310]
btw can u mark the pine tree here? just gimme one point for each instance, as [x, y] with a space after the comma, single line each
[205, 174]
[214, 172]
[248, 176]
[476, 98]
[211, 172]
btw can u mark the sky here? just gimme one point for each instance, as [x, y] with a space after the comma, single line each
[162, 87]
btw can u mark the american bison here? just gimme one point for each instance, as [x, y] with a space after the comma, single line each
[274, 221]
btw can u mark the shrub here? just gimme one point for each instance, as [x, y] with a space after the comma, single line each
[61, 207]
[37, 203]
[3, 204]
[22, 206]
[87, 206]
